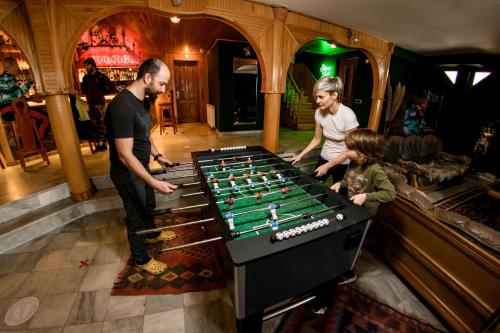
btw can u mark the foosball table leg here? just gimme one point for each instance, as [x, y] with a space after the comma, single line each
[250, 324]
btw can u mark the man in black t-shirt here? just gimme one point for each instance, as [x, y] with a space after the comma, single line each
[130, 146]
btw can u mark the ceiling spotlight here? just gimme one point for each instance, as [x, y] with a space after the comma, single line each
[175, 19]
[177, 3]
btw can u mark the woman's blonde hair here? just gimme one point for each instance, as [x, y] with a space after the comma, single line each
[329, 84]
[366, 142]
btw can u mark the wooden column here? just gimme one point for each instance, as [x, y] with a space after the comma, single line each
[4, 143]
[272, 105]
[375, 113]
[272, 101]
[64, 131]
[380, 63]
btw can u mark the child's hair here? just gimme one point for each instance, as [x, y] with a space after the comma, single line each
[366, 142]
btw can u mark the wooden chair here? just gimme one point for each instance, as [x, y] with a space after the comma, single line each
[28, 141]
[167, 113]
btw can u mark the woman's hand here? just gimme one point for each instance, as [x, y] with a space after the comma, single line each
[359, 199]
[322, 170]
[296, 159]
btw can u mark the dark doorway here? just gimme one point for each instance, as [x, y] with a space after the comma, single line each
[187, 91]
[347, 71]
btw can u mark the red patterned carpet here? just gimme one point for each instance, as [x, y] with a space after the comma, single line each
[351, 312]
[194, 268]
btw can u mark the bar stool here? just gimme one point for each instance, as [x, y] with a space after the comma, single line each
[167, 117]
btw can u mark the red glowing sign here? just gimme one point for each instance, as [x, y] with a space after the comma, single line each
[111, 56]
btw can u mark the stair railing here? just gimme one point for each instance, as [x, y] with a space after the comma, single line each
[293, 95]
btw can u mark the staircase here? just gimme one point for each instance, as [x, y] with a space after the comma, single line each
[298, 108]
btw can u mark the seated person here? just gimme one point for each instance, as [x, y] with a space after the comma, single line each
[10, 90]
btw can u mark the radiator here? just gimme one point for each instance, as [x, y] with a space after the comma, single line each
[211, 115]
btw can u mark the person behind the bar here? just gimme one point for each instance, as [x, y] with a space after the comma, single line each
[128, 131]
[333, 120]
[95, 85]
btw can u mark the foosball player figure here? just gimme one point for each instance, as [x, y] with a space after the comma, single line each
[264, 179]
[280, 177]
[259, 195]
[209, 175]
[252, 169]
[273, 223]
[249, 161]
[230, 201]
[249, 180]
[216, 185]
[231, 172]
[223, 165]
[234, 187]
[272, 208]
[285, 190]
[230, 219]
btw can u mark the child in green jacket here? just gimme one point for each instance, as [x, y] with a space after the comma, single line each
[367, 184]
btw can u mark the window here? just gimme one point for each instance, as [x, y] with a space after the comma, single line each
[479, 76]
[452, 75]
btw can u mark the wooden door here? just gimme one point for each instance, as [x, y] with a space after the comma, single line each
[187, 91]
[347, 69]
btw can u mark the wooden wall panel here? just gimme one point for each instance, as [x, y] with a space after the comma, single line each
[187, 6]
[6, 7]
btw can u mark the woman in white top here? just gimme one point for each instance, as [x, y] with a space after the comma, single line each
[333, 120]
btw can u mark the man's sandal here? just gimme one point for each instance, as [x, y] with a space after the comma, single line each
[154, 267]
[165, 235]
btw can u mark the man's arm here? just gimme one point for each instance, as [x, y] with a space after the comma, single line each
[161, 160]
[124, 149]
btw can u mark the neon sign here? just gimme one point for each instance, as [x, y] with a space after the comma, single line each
[111, 56]
[325, 70]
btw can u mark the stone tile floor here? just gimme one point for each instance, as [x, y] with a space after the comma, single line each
[72, 269]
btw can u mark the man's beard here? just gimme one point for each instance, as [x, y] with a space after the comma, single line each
[151, 92]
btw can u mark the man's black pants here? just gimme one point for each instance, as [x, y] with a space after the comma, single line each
[139, 203]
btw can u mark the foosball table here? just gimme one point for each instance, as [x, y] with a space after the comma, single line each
[283, 233]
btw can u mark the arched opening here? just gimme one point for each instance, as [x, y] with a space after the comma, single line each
[200, 51]
[17, 81]
[314, 59]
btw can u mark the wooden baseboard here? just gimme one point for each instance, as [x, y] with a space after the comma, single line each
[459, 278]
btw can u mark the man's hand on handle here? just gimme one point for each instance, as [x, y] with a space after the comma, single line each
[164, 162]
[163, 187]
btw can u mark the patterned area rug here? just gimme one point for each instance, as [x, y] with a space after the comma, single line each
[351, 312]
[195, 268]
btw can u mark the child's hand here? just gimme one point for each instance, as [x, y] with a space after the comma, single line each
[335, 187]
[359, 199]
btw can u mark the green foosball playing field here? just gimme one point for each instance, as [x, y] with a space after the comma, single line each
[256, 196]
